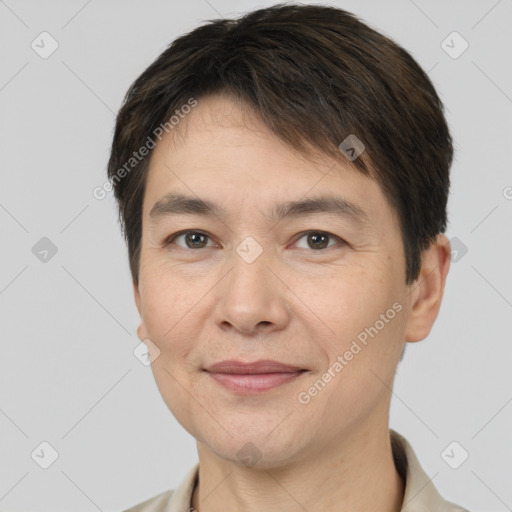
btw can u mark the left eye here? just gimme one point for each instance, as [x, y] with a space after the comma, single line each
[319, 240]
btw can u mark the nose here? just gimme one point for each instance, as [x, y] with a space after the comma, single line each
[252, 299]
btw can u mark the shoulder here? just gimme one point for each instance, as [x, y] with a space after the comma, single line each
[420, 493]
[158, 503]
[173, 500]
[452, 507]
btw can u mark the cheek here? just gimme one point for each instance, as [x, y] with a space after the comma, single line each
[169, 313]
[368, 323]
[362, 319]
[347, 301]
[170, 322]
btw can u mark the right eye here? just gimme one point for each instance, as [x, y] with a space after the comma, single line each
[192, 239]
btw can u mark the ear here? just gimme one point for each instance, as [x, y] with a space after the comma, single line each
[136, 295]
[141, 330]
[427, 291]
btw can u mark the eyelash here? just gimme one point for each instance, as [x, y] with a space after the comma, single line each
[173, 237]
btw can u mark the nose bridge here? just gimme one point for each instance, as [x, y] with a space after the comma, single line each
[250, 295]
[249, 275]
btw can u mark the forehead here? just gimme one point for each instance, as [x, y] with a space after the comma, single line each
[222, 151]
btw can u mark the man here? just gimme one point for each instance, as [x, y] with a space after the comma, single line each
[282, 182]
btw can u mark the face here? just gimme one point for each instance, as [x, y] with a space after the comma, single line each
[290, 259]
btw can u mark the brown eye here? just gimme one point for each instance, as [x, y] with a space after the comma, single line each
[318, 240]
[193, 240]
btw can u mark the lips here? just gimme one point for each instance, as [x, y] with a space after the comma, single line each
[241, 368]
[252, 378]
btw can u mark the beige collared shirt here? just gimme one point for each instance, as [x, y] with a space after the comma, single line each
[420, 494]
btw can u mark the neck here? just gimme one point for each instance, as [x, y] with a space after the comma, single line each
[356, 476]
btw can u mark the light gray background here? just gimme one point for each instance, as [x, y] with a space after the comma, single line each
[68, 326]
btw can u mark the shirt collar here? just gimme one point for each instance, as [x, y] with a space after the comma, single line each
[420, 494]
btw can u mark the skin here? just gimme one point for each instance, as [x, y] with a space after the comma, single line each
[295, 303]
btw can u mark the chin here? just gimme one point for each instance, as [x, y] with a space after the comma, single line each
[256, 450]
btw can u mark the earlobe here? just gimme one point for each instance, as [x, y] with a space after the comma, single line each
[141, 331]
[427, 292]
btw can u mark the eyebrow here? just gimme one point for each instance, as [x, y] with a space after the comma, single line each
[179, 204]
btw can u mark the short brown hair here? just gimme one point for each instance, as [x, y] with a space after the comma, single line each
[315, 75]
